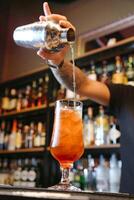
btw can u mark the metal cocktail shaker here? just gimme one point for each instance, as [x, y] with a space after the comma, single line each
[46, 34]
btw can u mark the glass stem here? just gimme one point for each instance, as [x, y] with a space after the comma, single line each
[65, 176]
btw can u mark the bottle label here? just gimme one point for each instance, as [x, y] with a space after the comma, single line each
[114, 134]
[24, 175]
[11, 145]
[43, 140]
[99, 136]
[130, 74]
[18, 140]
[13, 104]
[31, 175]
[5, 103]
[118, 78]
[24, 103]
[37, 141]
[17, 175]
[30, 141]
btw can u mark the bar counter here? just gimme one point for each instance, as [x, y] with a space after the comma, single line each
[13, 193]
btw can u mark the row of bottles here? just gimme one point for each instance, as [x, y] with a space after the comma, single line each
[97, 175]
[101, 129]
[123, 71]
[34, 94]
[16, 135]
[21, 172]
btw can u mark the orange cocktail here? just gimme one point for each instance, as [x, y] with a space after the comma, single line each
[67, 146]
[67, 138]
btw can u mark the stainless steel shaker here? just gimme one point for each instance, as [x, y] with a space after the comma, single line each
[46, 34]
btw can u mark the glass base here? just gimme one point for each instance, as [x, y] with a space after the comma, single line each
[64, 187]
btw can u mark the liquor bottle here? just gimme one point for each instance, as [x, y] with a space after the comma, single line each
[41, 82]
[61, 93]
[42, 90]
[17, 173]
[85, 131]
[104, 77]
[24, 173]
[33, 174]
[13, 99]
[26, 136]
[19, 101]
[12, 167]
[40, 93]
[118, 75]
[31, 135]
[114, 174]
[79, 176]
[7, 133]
[124, 70]
[101, 127]
[37, 135]
[5, 172]
[91, 174]
[102, 176]
[34, 94]
[89, 138]
[43, 135]
[39, 97]
[92, 73]
[5, 102]
[114, 133]
[18, 141]
[83, 185]
[2, 134]
[45, 94]
[54, 94]
[130, 71]
[26, 100]
[91, 126]
[76, 181]
[12, 136]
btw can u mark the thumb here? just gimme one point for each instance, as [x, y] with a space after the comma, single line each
[46, 9]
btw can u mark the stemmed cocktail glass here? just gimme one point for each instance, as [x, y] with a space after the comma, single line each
[67, 139]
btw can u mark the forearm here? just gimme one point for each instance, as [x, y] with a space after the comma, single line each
[94, 90]
[64, 75]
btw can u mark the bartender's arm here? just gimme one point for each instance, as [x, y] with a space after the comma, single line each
[94, 90]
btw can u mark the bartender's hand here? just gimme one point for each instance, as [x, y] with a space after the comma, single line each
[57, 57]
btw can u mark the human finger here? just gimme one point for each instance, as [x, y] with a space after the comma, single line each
[42, 18]
[66, 24]
[56, 17]
[46, 9]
